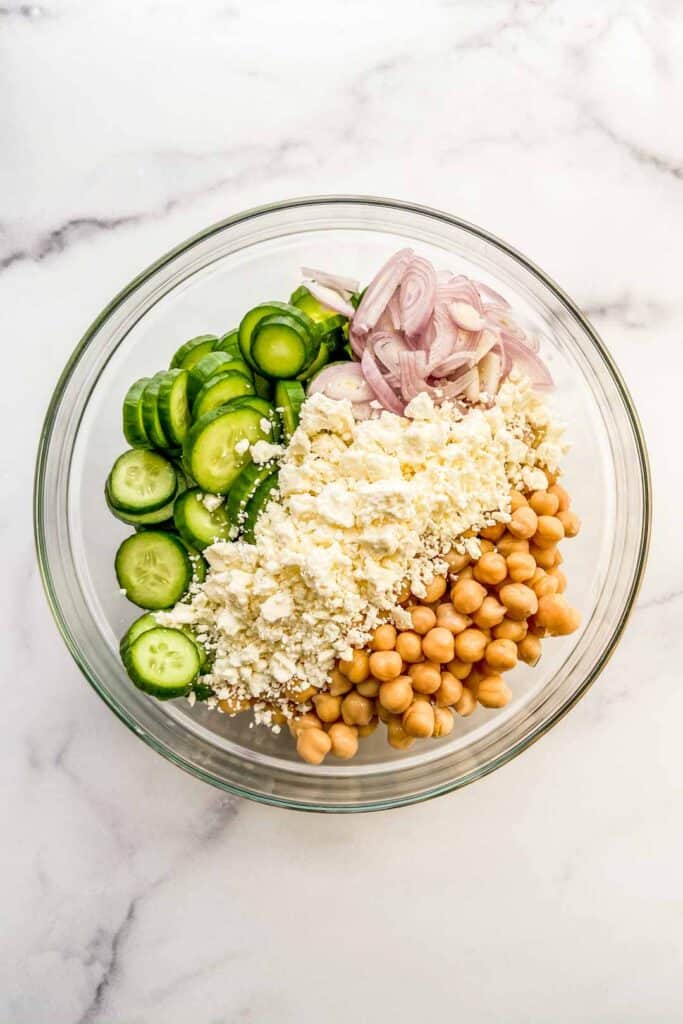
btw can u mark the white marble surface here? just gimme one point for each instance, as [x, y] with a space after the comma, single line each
[552, 890]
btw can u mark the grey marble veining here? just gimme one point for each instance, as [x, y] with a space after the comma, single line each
[550, 891]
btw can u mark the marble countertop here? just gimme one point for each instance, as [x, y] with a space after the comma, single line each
[551, 890]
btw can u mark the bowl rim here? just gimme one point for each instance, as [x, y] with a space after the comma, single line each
[250, 214]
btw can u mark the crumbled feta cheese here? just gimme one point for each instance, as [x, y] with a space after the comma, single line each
[362, 508]
[213, 501]
[242, 446]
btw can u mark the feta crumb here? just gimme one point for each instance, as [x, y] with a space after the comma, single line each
[264, 451]
[242, 446]
[212, 501]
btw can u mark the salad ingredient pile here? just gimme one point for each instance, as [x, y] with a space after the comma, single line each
[346, 511]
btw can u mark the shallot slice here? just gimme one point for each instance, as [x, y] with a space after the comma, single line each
[528, 363]
[336, 281]
[380, 387]
[466, 316]
[380, 290]
[489, 296]
[342, 381]
[489, 374]
[416, 297]
[330, 298]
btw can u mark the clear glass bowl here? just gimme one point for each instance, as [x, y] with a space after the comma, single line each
[204, 286]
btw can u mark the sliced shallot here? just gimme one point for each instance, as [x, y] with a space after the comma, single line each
[379, 291]
[416, 297]
[336, 281]
[382, 390]
[330, 298]
[342, 381]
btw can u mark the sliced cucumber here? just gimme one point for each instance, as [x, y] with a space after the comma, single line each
[141, 481]
[153, 568]
[207, 367]
[157, 519]
[136, 629]
[265, 408]
[163, 662]
[219, 390]
[133, 426]
[303, 300]
[257, 503]
[229, 343]
[202, 692]
[199, 563]
[210, 450]
[325, 353]
[150, 413]
[201, 650]
[173, 405]
[255, 315]
[243, 490]
[263, 386]
[281, 347]
[289, 397]
[196, 524]
[193, 350]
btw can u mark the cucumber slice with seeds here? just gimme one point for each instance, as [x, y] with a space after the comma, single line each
[196, 524]
[229, 343]
[303, 300]
[243, 490]
[153, 568]
[133, 426]
[211, 451]
[265, 408]
[289, 397]
[192, 351]
[257, 503]
[163, 662]
[219, 390]
[141, 481]
[207, 367]
[150, 413]
[157, 519]
[281, 347]
[136, 629]
[255, 315]
[172, 403]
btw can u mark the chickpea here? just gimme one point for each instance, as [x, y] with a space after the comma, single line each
[517, 500]
[467, 703]
[520, 566]
[435, 590]
[328, 708]
[443, 722]
[510, 630]
[382, 713]
[307, 721]
[559, 559]
[418, 719]
[470, 645]
[475, 677]
[529, 649]
[570, 522]
[491, 568]
[467, 573]
[557, 616]
[544, 504]
[339, 684]
[300, 694]
[562, 497]
[558, 575]
[456, 561]
[449, 692]
[438, 645]
[519, 600]
[486, 547]
[385, 665]
[535, 629]
[423, 618]
[234, 705]
[501, 655]
[494, 532]
[459, 669]
[367, 730]
[344, 740]
[425, 677]
[490, 614]
[312, 745]
[357, 669]
[403, 595]
[356, 709]
[396, 695]
[546, 585]
[467, 596]
[544, 557]
[384, 638]
[409, 646]
[523, 523]
[493, 692]
[397, 737]
[549, 530]
[509, 544]
[451, 620]
[370, 688]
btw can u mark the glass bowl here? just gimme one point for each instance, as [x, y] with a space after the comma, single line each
[204, 286]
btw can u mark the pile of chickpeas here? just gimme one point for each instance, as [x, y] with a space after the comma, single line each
[471, 627]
